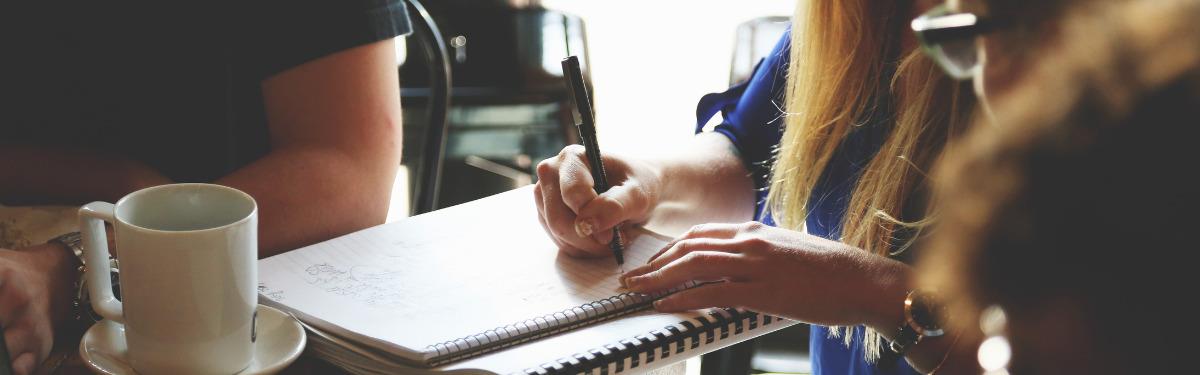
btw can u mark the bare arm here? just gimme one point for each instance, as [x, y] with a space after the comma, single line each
[335, 139]
[707, 183]
[32, 175]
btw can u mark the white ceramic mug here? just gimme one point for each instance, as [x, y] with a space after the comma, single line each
[188, 277]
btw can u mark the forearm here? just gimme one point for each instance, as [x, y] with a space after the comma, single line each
[335, 126]
[58, 175]
[306, 195]
[703, 181]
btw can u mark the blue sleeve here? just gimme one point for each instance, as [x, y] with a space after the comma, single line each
[753, 112]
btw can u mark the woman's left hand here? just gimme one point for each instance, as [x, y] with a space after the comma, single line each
[776, 271]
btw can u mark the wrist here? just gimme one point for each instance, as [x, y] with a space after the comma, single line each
[886, 308]
[60, 270]
[653, 180]
[54, 259]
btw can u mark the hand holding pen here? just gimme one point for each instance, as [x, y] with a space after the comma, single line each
[578, 218]
[569, 207]
[585, 122]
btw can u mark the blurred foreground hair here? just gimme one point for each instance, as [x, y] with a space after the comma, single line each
[1075, 212]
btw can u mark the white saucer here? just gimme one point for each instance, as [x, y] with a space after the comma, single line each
[280, 341]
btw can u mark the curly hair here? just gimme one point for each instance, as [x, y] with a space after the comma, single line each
[1081, 194]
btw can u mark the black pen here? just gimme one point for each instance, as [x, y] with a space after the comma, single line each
[585, 122]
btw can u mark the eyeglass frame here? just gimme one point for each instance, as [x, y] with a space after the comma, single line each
[939, 25]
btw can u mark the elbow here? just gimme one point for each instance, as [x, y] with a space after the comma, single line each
[376, 150]
[377, 161]
[393, 138]
[381, 144]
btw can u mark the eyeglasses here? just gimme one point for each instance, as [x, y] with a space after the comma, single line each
[950, 39]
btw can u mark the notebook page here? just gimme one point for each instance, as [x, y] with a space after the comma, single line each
[437, 277]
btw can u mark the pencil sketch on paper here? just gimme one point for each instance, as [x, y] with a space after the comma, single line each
[270, 293]
[372, 285]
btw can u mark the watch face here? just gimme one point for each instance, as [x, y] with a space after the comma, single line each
[927, 313]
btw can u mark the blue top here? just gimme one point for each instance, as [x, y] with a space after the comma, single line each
[753, 120]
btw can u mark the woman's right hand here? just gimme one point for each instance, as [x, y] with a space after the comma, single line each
[578, 220]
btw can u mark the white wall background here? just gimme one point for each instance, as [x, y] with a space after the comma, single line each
[653, 59]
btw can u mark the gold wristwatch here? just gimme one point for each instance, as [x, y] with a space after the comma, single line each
[924, 314]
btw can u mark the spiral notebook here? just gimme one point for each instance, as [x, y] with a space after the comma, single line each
[439, 289]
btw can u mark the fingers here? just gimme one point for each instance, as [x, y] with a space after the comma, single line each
[682, 247]
[562, 247]
[575, 179]
[698, 266]
[620, 203]
[24, 364]
[726, 294]
[12, 305]
[706, 237]
[557, 217]
[21, 349]
[12, 301]
[26, 325]
[565, 189]
[700, 231]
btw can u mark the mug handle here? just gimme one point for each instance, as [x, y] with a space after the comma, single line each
[95, 251]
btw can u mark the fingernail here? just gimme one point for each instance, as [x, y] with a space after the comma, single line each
[602, 238]
[584, 228]
[636, 271]
[658, 305]
[633, 282]
[622, 279]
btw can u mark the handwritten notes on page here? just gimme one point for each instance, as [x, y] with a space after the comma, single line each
[405, 286]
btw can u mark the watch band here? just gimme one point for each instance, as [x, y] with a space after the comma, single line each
[905, 339]
[81, 303]
[74, 242]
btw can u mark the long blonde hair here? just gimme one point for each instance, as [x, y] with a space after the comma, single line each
[839, 54]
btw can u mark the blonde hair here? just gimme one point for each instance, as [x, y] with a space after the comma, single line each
[839, 54]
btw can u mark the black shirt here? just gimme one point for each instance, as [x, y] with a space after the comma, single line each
[174, 85]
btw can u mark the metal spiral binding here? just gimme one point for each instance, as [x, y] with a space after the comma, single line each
[527, 330]
[657, 344]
